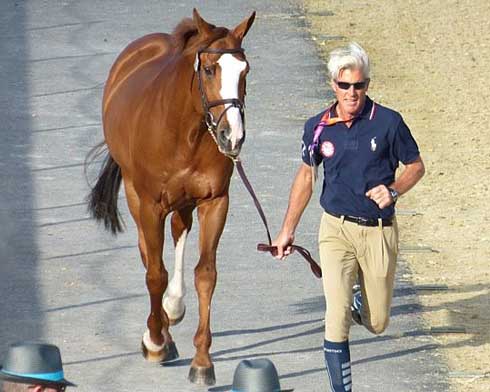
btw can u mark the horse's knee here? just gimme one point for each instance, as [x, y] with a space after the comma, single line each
[156, 280]
[205, 283]
[206, 271]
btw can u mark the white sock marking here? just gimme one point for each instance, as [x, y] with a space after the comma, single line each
[231, 68]
[173, 301]
[149, 344]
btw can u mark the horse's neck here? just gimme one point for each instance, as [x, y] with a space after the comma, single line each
[181, 95]
[177, 84]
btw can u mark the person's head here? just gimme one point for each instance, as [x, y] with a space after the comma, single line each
[349, 69]
[33, 367]
[16, 387]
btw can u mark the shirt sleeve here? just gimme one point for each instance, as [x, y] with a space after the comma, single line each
[405, 148]
[312, 157]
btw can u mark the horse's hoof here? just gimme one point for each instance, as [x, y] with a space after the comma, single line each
[172, 353]
[176, 321]
[166, 354]
[202, 376]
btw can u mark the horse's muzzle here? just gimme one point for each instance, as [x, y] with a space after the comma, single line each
[226, 144]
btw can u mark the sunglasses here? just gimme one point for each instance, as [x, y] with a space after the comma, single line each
[357, 86]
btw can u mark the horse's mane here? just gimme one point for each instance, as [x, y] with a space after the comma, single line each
[183, 33]
[187, 29]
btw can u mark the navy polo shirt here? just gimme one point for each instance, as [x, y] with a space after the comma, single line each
[359, 158]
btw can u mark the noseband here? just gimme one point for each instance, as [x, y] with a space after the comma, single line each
[207, 105]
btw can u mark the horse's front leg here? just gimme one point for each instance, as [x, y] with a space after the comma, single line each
[173, 302]
[157, 343]
[212, 217]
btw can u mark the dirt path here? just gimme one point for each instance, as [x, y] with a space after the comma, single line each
[431, 62]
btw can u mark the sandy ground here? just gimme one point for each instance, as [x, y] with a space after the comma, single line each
[431, 62]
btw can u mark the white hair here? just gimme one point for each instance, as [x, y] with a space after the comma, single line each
[352, 56]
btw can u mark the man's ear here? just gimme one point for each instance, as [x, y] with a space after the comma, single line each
[204, 28]
[242, 29]
[36, 388]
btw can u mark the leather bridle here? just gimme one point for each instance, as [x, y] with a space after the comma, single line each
[207, 105]
[212, 129]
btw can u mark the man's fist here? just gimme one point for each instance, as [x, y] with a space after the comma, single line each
[380, 195]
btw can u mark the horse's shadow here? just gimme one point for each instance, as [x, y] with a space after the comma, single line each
[218, 355]
[306, 306]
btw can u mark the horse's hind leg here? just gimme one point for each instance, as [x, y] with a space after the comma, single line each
[134, 208]
[212, 216]
[157, 343]
[173, 302]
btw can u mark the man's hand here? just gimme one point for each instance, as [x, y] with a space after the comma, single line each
[283, 242]
[380, 195]
[299, 196]
[412, 173]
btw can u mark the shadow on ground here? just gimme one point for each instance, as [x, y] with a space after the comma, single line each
[19, 290]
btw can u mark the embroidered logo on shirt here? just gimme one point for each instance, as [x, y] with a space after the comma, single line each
[327, 149]
[373, 144]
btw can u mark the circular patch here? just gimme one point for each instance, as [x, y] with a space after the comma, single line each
[327, 149]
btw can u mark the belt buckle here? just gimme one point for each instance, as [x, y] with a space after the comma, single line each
[362, 221]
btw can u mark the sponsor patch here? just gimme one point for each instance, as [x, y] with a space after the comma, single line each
[327, 149]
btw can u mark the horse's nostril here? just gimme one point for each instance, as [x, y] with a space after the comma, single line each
[222, 137]
[227, 132]
[225, 135]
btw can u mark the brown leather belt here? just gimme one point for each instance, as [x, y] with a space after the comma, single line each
[371, 222]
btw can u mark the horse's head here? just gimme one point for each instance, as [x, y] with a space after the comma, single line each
[221, 68]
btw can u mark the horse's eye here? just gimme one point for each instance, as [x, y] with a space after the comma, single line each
[209, 71]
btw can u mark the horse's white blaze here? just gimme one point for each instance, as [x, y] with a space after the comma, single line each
[231, 68]
[149, 344]
[173, 302]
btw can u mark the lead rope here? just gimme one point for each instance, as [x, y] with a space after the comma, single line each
[315, 268]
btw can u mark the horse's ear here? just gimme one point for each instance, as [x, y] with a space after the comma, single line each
[203, 27]
[241, 30]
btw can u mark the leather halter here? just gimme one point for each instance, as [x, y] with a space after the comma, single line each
[207, 105]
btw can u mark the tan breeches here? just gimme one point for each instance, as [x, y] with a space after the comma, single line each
[348, 250]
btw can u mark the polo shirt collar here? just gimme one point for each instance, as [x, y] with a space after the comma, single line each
[368, 111]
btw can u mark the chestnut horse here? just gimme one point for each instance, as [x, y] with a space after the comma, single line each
[173, 117]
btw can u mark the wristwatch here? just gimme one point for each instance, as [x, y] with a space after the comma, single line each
[394, 195]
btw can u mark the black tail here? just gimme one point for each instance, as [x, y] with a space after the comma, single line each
[102, 200]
